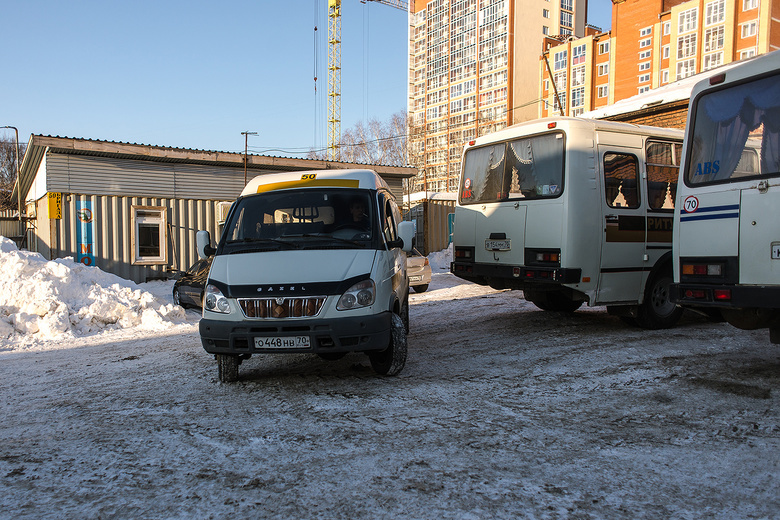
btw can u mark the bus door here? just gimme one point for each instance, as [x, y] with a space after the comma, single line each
[623, 238]
[759, 234]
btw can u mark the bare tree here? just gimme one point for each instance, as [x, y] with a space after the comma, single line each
[8, 170]
[377, 142]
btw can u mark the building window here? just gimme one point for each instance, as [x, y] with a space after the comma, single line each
[149, 235]
[665, 76]
[545, 29]
[577, 98]
[603, 91]
[645, 43]
[645, 65]
[603, 47]
[686, 46]
[645, 54]
[560, 60]
[603, 69]
[686, 68]
[747, 5]
[665, 52]
[644, 78]
[578, 55]
[715, 12]
[577, 77]
[713, 39]
[642, 90]
[647, 31]
[712, 60]
[686, 21]
[559, 78]
[749, 29]
[546, 13]
[566, 4]
[667, 28]
[749, 53]
[566, 19]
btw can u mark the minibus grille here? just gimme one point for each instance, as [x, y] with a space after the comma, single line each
[281, 307]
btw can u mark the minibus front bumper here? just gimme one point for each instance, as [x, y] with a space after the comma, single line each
[310, 335]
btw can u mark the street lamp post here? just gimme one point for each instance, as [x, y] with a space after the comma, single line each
[18, 186]
[246, 148]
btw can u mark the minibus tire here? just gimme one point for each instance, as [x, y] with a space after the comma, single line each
[657, 311]
[390, 361]
[227, 367]
[553, 301]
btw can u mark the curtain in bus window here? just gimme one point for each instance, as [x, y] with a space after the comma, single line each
[662, 172]
[620, 180]
[535, 166]
[483, 173]
[725, 120]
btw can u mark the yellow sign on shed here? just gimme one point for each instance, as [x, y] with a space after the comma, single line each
[55, 206]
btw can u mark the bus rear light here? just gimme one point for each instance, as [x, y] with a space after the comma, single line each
[702, 269]
[551, 125]
[472, 143]
[722, 294]
[695, 294]
[464, 253]
[530, 274]
[516, 272]
[547, 257]
[717, 79]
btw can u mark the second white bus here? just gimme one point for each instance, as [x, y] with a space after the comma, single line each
[572, 211]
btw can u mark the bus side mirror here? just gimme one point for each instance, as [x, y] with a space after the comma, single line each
[203, 243]
[406, 234]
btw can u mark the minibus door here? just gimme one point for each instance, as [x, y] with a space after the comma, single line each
[623, 236]
[759, 235]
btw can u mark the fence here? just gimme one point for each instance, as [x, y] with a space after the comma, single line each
[434, 224]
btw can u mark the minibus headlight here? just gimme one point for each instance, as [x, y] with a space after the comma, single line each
[215, 301]
[362, 294]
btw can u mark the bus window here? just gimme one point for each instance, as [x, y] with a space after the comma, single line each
[729, 122]
[621, 180]
[663, 167]
[528, 168]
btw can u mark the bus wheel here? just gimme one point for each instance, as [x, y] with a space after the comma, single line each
[555, 301]
[657, 310]
[227, 366]
[390, 361]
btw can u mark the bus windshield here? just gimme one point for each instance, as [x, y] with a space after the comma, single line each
[736, 133]
[527, 168]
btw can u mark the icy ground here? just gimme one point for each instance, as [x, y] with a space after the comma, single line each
[502, 411]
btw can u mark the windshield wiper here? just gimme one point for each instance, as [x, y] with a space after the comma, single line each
[331, 237]
[262, 241]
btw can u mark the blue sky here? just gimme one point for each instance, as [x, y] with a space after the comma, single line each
[196, 74]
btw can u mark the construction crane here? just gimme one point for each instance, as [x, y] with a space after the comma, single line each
[334, 69]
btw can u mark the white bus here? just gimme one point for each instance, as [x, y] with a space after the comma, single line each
[572, 211]
[727, 226]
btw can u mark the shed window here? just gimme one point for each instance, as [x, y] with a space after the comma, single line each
[149, 235]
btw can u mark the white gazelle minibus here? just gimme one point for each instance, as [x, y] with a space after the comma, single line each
[727, 225]
[572, 211]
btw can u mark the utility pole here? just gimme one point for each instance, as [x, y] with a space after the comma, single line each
[18, 186]
[246, 148]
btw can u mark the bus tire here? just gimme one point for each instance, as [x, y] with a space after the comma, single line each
[390, 361]
[554, 301]
[657, 310]
[227, 367]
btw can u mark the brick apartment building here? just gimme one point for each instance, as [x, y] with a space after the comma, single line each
[473, 69]
[653, 43]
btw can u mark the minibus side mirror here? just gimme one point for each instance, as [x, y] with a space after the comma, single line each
[203, 242]
[406, 233]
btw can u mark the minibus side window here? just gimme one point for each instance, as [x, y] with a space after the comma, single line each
[621, 180]
[663, 167]
[388, 223]
[735, 133]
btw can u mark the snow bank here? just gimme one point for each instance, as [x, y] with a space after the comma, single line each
[440, 260]
[46, 300]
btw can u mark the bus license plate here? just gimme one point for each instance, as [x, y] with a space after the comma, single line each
[498, 245]
[301, 342]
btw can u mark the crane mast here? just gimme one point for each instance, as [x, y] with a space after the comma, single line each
[334, 70]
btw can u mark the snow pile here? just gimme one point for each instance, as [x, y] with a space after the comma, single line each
[440, 260]
[46, 300]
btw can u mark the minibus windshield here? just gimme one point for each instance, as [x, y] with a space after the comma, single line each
[527, 168]
[296, 219]
[736, 133]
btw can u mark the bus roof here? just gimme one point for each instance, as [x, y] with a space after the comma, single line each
[566, 123]
[362, 179]
[756, 66]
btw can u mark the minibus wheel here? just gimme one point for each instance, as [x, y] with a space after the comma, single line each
[657, 310]
[390, 361]
[227, 366]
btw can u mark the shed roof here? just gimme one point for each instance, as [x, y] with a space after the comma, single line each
[40, 144]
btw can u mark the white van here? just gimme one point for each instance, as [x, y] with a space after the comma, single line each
[727, 224]
[572, 211]
[309, 262]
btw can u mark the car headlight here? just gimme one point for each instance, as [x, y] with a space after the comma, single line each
[362, 294]
[215, 301]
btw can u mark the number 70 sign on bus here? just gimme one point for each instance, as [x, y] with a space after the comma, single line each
[690, 204]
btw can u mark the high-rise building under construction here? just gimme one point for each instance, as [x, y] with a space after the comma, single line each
[474, 69]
